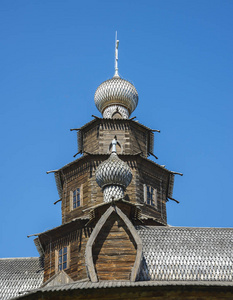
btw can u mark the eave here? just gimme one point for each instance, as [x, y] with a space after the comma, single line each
[98, 120]
[94, 290]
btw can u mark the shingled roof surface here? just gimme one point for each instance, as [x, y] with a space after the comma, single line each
[109, 284]
[18, 275]
[171, 256]
[186, 254]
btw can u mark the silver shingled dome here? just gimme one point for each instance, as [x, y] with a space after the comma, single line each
[113, 171]
[116, 91]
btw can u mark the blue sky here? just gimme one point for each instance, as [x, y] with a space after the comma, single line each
[54, 54]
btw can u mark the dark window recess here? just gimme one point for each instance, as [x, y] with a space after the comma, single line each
[62, 259]
[150, 193]
[76, 198]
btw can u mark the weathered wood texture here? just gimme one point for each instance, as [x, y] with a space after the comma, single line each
[96, 138]
[158, 178]
[76, 240]
[115, 247]
[132, 137]
[105, 228]
[114, 251]
[128, 210]
[82, 173]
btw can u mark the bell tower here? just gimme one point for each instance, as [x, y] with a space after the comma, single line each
[111, 188]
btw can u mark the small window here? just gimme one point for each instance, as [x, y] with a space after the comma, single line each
[150, 195]
[62, 259]
[76, 198]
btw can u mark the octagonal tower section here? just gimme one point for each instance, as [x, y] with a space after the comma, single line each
[151, 184]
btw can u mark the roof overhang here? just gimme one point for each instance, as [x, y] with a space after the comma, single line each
[86, 289]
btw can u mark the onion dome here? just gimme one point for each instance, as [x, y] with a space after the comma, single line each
[113, 171]
[113, 175]
[116, 91]
[116, 97]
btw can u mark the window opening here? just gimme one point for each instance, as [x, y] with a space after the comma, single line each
[150, 193]
[62, 259]
[76, 198]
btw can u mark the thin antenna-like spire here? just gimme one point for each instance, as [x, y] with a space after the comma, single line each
[116, 56]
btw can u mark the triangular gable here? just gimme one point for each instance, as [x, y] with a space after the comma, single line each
[58, 279]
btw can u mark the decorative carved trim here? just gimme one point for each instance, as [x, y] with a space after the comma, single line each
[138, 242]
[88, 253]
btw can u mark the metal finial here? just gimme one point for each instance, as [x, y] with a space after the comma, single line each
[116, 57]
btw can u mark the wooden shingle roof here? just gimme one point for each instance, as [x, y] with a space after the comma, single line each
[186, 253]
[19, 275]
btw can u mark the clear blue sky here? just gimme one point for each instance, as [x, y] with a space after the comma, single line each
[54, 54]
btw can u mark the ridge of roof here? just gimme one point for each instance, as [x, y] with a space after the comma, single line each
[122, 283]
[15, 258]
[183, 227]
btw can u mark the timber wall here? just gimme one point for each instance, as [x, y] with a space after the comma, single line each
[82, 174]
[132, 137]
[114, 251]
[76, 242]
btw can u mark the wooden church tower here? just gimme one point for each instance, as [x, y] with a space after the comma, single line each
[111, 188]
[114, 241]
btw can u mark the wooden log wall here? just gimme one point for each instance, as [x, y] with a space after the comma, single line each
[114, 251]
[97, 137]
[133, 138]
[82, 174]
[76, 243]
[158, 179]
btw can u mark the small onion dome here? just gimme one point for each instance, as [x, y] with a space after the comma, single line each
[116, 91]
[113, 171]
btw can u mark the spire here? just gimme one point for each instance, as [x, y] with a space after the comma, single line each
[116, 57]
[116, 98]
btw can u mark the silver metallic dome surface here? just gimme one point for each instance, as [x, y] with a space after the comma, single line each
[113, 171]
[116, 91]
